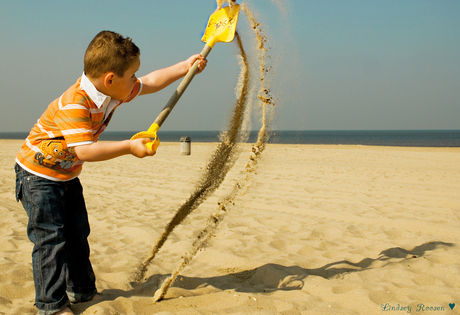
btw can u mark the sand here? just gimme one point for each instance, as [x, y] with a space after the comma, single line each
[321, 230]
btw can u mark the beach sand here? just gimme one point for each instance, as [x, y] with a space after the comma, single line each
[321, 230]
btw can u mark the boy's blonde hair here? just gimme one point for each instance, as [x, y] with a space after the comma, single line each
[109, 51]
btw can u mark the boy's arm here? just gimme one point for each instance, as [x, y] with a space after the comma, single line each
[160, 79]
[101, 151]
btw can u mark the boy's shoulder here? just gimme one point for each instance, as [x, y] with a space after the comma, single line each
[76, 95]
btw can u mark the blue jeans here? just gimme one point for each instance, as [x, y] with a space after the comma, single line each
[58, 226]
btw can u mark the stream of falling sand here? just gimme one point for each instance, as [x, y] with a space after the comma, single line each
[245, 180]
[222, 160]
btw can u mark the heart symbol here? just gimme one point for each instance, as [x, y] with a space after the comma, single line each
[451, 305]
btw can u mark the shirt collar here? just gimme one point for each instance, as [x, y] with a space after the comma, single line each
[100, 99]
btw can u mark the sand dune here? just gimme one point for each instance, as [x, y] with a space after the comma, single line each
[321, 230]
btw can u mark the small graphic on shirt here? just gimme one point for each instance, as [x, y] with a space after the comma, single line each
[55, 154]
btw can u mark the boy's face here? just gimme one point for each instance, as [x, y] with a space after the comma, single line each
[122, 87]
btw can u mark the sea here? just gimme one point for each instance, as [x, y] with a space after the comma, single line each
[404, 138]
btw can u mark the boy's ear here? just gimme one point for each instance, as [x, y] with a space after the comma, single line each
[108, 79]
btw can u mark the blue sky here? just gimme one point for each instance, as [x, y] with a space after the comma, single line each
[337, 64]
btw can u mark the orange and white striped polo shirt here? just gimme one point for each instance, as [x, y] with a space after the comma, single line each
[78, 117]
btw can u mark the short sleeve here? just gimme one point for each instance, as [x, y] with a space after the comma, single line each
[135, 92]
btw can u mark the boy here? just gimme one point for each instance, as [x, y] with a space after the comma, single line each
[51, 158]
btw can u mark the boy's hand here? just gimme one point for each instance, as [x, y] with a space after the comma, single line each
[201, 62]
[138, 148]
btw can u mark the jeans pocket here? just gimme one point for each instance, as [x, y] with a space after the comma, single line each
[18, 189]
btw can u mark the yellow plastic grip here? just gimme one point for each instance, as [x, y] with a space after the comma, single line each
[152, 134]
[153, 145]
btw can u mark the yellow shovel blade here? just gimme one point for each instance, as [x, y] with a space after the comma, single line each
[221, 25]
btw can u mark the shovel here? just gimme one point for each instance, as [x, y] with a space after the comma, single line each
[220, 28]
